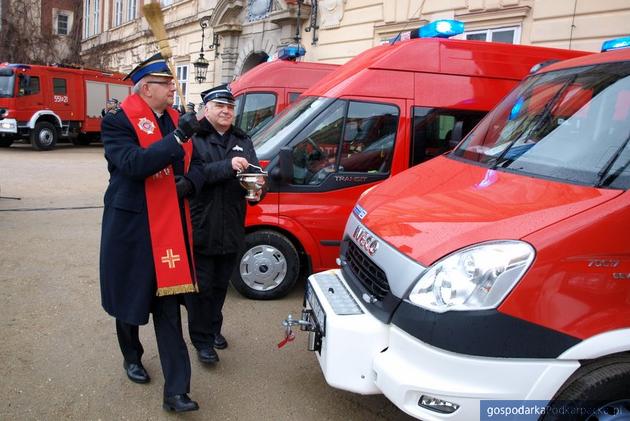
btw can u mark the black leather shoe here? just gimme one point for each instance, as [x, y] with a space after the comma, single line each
[136, 372]
[208, 355]
[220, 342]
[179, 403]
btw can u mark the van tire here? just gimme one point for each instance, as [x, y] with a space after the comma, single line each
[44, 136]
[600, 387]
[5, 143]
[268, 268]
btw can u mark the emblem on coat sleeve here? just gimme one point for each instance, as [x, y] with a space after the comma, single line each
[146, 125]
[237, 148]
[170, 258]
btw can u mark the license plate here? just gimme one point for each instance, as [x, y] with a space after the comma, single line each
[318, 313]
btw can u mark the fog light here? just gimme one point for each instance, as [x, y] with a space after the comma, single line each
[437, 405]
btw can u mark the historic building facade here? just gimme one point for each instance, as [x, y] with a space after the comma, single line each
[40, 31]
[243, 33]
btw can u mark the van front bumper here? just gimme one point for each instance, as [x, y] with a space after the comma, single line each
[358, 353]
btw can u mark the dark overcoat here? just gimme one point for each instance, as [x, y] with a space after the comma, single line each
[128, 281]
[218, 207]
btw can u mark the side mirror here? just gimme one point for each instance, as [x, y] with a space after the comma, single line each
[283, 172]
[456, 134]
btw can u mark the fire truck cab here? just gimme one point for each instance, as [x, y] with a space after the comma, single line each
[493, 282]
[269, 88]
[48, 103]
[389, 108]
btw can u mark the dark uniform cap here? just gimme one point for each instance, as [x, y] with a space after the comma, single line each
[112, 101]
[221, 94]
[154, 65]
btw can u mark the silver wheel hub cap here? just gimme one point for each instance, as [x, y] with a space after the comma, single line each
[263, 267]
[45, 137]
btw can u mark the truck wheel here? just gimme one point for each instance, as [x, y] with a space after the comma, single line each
[5, 143]
[44, 136]
[597, 391]
[268, 268]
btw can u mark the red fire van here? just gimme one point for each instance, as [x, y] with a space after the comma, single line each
[47, 103]
[389, 108]
[269, 88]
[493, 282]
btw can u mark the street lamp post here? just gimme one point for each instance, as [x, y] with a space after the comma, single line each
[201, 64]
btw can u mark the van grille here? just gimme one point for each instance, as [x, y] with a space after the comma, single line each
[371, 276]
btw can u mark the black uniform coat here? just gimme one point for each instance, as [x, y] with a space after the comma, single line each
[218, 208]
[128, 281]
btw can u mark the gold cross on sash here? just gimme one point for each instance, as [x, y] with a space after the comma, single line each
[170, 258]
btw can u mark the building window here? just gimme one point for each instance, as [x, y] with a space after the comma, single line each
[182, 78]
[97, 7]
[505, 35]
[86, 18]
[118, 12]
[62, 24]
[166, 2]
[132, 6]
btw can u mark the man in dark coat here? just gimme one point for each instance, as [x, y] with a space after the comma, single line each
[144, 244]
[218, 217]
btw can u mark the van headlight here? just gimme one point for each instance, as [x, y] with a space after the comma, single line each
[475, 278]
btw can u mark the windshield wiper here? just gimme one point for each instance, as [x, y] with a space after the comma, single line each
[602, 180]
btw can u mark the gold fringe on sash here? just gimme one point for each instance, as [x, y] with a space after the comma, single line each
[178, 289]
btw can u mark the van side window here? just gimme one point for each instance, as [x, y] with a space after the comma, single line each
[293, 96]
[433, 128]
[59, 86]
[258, 109]
[315, 154]
[29, 88]
[368, 138]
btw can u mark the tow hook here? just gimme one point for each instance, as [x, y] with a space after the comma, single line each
[305, 324]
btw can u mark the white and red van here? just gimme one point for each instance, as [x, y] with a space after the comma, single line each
[269, 88]
[493, 282]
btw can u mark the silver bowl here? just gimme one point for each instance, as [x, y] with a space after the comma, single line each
[251, 183]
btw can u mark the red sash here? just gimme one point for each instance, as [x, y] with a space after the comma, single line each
[170, 257]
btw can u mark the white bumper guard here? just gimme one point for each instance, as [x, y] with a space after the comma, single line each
[359, 353]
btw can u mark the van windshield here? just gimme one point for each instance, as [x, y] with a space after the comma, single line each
[7, 83]
[571, 125]
[284, 124]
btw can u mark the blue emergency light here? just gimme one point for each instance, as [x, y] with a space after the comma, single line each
[443, 28]
[616, 44]
[291, 52]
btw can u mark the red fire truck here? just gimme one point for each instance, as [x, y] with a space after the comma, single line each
[46, 103]
[387, 109]
[493, 282]
[269, 88]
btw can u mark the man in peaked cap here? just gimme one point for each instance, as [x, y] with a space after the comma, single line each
[218, 216]
[145, 259]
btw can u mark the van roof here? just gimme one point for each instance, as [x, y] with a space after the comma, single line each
[438, 55]
[283, 73]
[622, 54]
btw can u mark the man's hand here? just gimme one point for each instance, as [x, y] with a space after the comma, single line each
[239, 164]
[188, 125]
[184, 186]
